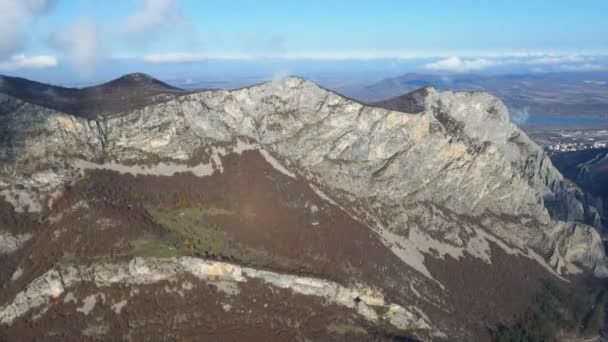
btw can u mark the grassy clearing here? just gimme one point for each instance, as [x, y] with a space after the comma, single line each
[67, 259]
[198, 236]
[193, 230]
[154, 247]
[345, 329]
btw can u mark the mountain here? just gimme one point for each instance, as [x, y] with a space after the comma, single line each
[588, 169]
[286, 211]
[543, 94]
[125, 93]
[412, 102]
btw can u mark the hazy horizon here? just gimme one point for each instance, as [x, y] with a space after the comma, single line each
[85, 42]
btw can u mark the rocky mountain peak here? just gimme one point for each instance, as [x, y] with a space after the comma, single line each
[138, 80]
[429, 179]
[412, 102]
[282, 86]
[138, 77]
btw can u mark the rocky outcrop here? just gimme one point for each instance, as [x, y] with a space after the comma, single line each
[576, 246]
[10, 243]
[367, 302]
[438, 177]
[459, 151]
[586, 168]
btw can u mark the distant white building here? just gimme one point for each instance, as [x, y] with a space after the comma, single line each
[600, 144]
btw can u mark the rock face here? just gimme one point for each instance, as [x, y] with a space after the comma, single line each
[226, 276]
[587, 169]
[129, 91]
[447, 176]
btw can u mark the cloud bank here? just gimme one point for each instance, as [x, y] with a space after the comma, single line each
[21, 61]
[154, 15]
[549, 62]
[157, 20]
[174, 57]
[81, 43]
[584, 67]
[155, 23]
[456, 64]
[84, 41]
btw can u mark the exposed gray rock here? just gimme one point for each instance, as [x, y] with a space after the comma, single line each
[38, 293]
[10, 243]
[369, 303]
[577, 245]
[459, 152]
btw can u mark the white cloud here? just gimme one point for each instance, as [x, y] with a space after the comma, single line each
[15, 17]
[81, 43]
[156, 22]
[456, 64]
[464, 61]
[555, 60]
[22, 61]
[548, 62]
[600, 83]
[187, 57]
[349, 55]
[582, 67]
[153, 15]
[464, 57]
[174, 57]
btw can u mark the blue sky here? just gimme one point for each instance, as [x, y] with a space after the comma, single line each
[86, 39]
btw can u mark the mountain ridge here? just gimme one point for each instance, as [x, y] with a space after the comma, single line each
[123, 93]
[541, 94]
[455, 182]
[476, 128]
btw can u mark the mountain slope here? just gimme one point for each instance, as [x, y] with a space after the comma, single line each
[124, 93]
[586, 168]
[461, 216]
[550, 94]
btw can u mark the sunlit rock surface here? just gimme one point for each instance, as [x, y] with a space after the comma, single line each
[452, 178]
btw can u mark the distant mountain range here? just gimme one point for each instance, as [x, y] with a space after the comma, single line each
[548, 94]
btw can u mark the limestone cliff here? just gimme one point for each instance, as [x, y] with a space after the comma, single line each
[460, 151]
[448, 177]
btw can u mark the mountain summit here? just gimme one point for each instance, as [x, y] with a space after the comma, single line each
[432, 218]
[124, 93]
[136, 80]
